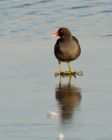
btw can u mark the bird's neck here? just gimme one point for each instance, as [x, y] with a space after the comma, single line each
[67, 38]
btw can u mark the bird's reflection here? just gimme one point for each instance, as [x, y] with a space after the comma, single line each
[68, 97]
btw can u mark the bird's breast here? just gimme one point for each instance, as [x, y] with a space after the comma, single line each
[67, 51]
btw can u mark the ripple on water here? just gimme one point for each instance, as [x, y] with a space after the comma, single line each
[34, 19]
[80, 7]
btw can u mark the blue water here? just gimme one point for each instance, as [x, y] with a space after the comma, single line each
[28, 89]
[34, 19]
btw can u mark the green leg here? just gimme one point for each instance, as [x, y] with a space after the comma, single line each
[70, 68]
[60, 67]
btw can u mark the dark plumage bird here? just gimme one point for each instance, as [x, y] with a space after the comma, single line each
[67, 47]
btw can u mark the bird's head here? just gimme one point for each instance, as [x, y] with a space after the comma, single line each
[62, 32]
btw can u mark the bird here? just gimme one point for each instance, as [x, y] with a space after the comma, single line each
[67, 47]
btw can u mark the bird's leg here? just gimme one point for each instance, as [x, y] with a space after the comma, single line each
[70, 68]
[60, 67]
[60, 70]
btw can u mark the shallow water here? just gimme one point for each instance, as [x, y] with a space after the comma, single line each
[28, 89]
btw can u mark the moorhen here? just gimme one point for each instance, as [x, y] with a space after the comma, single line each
[67, 47]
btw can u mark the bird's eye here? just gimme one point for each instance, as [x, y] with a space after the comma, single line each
[61, 32]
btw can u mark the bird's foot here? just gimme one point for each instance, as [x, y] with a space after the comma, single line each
[65, 73]
[68, 73]
[59, 73]
[79, 73]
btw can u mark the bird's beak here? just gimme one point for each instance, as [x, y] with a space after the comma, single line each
[55, 34]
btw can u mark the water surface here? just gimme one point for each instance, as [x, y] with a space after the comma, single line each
[28, 88]
[32, 19]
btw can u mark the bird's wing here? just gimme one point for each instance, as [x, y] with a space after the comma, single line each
[75, 39]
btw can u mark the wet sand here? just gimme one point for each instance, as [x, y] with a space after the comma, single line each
[29, 90]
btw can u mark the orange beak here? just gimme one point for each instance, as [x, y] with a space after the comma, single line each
[55, 34]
